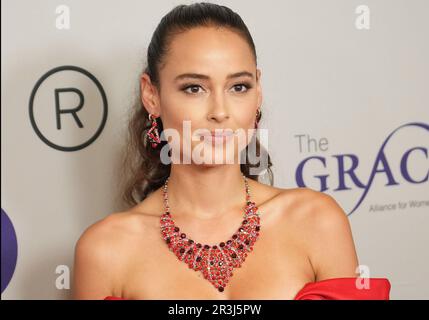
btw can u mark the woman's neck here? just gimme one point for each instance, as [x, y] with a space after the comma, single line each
[205, 193]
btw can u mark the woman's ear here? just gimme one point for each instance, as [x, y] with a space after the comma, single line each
[149, 95]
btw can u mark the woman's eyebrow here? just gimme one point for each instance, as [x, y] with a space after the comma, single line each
[205, 77]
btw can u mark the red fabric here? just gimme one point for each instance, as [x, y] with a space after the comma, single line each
[113, 298]
[338, 289]
[345, 289]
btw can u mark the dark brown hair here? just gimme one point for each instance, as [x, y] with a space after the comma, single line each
[142, 171]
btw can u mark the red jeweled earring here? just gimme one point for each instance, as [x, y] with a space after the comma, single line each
[258, 116]
[153, 134]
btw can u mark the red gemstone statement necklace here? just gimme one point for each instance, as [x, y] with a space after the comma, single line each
[218, 261]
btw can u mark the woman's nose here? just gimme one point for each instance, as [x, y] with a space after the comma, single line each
[218, 116]
[219, 110]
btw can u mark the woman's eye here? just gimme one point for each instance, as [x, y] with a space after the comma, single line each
[193, 88]
[243, 87]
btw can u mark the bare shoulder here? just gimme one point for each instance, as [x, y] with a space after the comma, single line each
[326, 231]
[111, 230]
[100, 255]
[313, 207]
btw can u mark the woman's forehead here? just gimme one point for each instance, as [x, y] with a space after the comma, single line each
[206, 49]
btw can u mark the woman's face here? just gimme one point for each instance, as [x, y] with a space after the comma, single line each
[210, 79]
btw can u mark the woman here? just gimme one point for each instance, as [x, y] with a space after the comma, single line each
[204, 229]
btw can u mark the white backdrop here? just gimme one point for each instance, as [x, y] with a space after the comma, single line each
[333, 93]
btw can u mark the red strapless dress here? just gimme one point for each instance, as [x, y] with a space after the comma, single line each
[336, 289]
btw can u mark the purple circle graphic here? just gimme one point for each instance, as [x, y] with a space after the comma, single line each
[9, 250]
